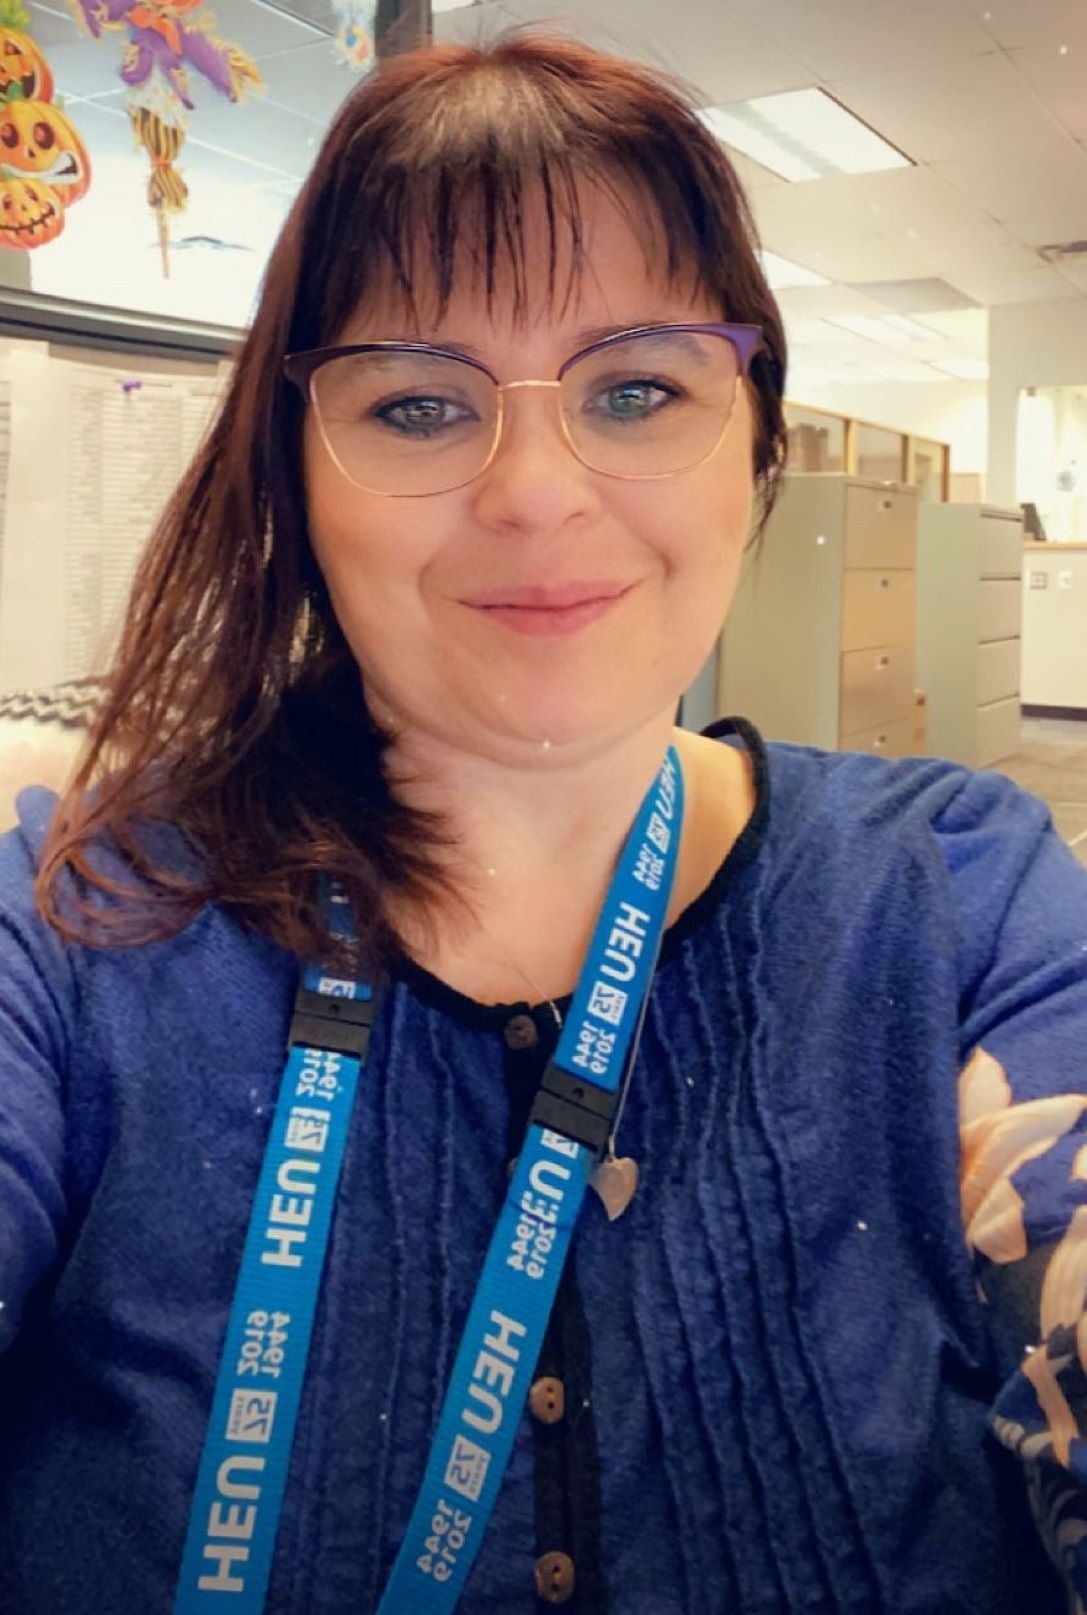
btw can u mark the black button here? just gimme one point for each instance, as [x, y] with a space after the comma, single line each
[520, 1032]
[555, 1578]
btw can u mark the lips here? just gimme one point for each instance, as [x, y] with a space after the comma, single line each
[560, 597]
[551, 611]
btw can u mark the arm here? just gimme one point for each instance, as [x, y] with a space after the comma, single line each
[35, 1004]
[1023, 1129]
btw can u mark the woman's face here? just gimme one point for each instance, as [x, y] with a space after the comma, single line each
[418, 584]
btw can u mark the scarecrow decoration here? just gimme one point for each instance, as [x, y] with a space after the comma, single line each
[44, 166]
[165, 40]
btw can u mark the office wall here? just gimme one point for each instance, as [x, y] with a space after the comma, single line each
[1030, 345]
[1054, 669]
[954, 412]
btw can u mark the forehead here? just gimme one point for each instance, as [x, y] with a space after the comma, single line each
[605, 263]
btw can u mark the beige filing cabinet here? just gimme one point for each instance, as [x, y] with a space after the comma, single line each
[969, 609]
[819, 645]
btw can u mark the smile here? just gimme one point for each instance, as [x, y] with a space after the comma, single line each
[540, 612]
[64, 171]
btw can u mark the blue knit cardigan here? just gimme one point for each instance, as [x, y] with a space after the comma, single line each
[793, 1364]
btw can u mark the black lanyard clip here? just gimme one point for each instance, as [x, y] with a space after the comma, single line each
[338, 1025]
[574, 1107]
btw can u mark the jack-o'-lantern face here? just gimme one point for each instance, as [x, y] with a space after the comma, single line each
[23, 67]
[31, 213]
[36, 138]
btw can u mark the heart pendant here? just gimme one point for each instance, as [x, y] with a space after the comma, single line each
[615, 1182]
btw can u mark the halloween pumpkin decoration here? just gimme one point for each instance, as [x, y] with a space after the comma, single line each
[37, 138]
[31, 213]
[44, 166]
[23, 67]
[165, 40]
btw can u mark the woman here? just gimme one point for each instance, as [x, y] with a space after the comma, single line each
[395, 697]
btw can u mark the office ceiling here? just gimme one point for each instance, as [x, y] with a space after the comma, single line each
[989, 97]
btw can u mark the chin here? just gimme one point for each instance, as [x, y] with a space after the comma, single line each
[555, 727]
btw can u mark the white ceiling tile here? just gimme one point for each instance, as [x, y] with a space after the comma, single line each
[829, 302]
[259, 30]
[995, 284]
[1041, 196]
[257, 132]
[724, 56]
[104, 125]
[847, 38]
[1013, 23]
[83, 66]
[964, 329]
[856, 227]
[472, 25]
[1075, 274]
[52, 25]
[311, 82]
[1058, 80]
[949, 108]
[752, 175]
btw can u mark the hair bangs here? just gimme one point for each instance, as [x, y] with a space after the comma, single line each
[408, 216]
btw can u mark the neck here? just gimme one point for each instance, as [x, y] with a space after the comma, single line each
[535, 843]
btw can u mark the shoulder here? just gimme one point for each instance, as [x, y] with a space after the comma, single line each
[859, 801]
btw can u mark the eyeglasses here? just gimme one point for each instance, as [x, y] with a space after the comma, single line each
[407, 419]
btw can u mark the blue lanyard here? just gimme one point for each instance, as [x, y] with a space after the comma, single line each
[239, 1489]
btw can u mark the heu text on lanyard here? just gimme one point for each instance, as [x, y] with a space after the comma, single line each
[240, 1484]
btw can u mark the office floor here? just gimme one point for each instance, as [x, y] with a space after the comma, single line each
[1052, 762]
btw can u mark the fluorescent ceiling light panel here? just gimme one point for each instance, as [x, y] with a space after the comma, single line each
[803, 134]
[888, 328]
[913, 329]
[735, 130]
[782, 273]
[451, 5]
[964, 369]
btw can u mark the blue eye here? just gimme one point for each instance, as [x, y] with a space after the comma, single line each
[629, 402]
[423, 416]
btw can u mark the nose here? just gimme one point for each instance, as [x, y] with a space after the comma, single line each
[535, 481]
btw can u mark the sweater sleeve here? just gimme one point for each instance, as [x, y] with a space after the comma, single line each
[35, 1015]
[1020, 901]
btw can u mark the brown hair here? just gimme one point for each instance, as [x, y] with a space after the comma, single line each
[233, 708]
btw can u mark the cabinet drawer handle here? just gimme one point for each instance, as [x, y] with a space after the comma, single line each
[884, 661]
[886, 504]
[879, 742]
[885, 583]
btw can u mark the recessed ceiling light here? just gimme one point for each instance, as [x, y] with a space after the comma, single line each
[893, 328]
[451, 5]
[803, 134]
[964, 369]
[782, 273]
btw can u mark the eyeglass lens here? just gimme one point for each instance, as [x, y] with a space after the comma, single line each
[413, 423]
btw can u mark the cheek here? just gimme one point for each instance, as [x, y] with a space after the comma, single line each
[372, 552]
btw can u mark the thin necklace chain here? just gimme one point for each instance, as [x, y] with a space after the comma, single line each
[635, 1042]
[540, 997]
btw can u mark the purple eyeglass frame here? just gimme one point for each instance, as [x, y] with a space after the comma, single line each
[745, 340]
